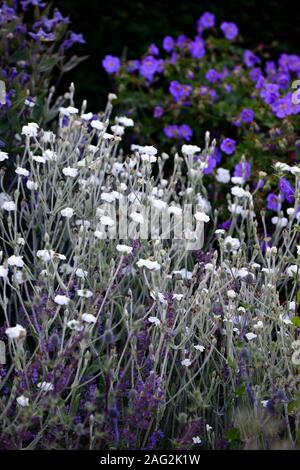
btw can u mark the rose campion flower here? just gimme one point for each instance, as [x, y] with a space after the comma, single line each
[111, 64]
[15, 332]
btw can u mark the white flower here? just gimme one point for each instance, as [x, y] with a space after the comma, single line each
[3, 156]
[45, 386]
[98, 125]
[39, 159]
[72, 172]
[22, 171]
[45, 255]
[117, 130]
[87, 116]
[48, 137]
[250, 336]
[281, 221]
[208, 428]
[61, 299]
[231, 244]
[238, 191]
[296, 357]
[292, 306]
[199, 347]
[148, 158]
[49, 155]
[89, 318]
[223, 175]
[124, 121]
[15, 332]
[186, 362]
[190, 150]
[23, 401]
[201, 217]
[175, 210]
[16, 261]
[31, 185]
[196, 440]
[148, 149]
[259, 325]
[231, 294]
[30, 130]
[81, 273]
[298, 250]
[85, 293]
[75, 325]
[154, 320]
[9, 206]
[68, 111]
[137, 217]
[178, 297]
[296, 344]
[106, 220]
[108, 197]
[184, 273]
[124, 249]
[67, 212]
[237, 180]
[147, 263]
[158, 204]
[292, 270]
[3, 271]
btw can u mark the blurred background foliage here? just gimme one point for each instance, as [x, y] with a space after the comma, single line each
[127, 28]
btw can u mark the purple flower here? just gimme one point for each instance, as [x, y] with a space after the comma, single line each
[283, 107]
[228, 146]
[153, 49]
[73, 39]
[179, 91]
[168, 44]
[250, 59]
[42, 36]
[230, 30]
[185, 132]
[283, 79]
[158, 112]
[133, 66]
[243, 170]
[255, 74]
[247, 115]
[171, 131]
[270, 68]
[287, 190]
[36, 3]
[111, 64]
[207, 20]
[149, 67]
[270, 93]
[212, 76]
[181, 41]
[273, 202]
[211, 165]
[197, 48]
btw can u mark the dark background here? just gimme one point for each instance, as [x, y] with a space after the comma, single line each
[128, 26]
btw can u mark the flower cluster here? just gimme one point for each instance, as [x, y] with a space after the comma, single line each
[35, 50]
[250, 103]
[110, 342]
